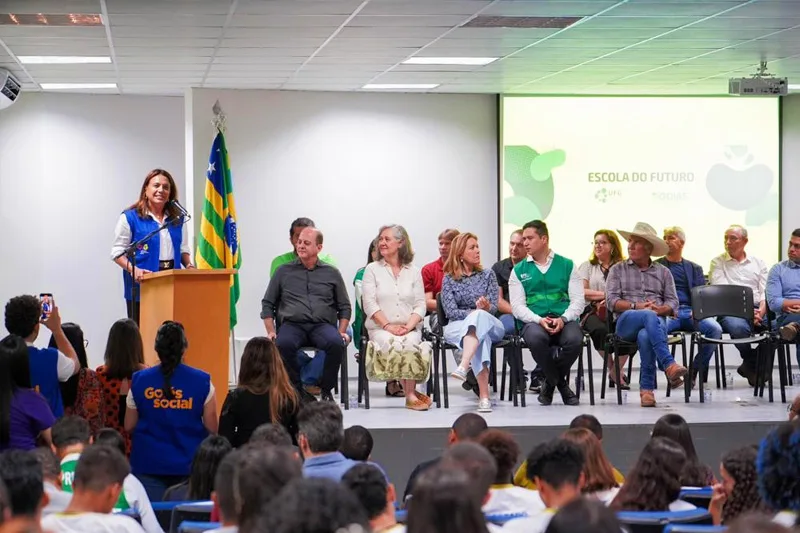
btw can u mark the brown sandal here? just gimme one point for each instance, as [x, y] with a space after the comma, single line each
[417, 405]
[424, 398]
[394, 389]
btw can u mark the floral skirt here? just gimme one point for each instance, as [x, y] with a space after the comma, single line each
[391, 357]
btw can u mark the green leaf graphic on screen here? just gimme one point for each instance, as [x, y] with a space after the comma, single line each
[529, 175]
[763, 212]
[738, 184]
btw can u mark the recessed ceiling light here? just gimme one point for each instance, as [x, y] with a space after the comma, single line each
[400, 86]
[62, 60]
[45, 19]
[68, 86]
[449, 61]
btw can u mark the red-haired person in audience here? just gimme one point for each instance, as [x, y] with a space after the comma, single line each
[599, 481]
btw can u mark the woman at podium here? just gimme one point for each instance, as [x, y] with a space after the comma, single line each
[166, 249]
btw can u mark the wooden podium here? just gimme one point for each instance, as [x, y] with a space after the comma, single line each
[200, 300]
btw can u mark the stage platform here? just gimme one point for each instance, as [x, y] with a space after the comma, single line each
[404, 438]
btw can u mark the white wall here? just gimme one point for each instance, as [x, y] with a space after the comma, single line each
[351, 162]
[790, 167]
[69, 164]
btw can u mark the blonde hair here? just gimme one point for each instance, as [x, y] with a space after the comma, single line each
[677, 231]
[454, 265]
[405, 253]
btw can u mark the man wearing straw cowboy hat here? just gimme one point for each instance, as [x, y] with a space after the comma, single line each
[642, 295]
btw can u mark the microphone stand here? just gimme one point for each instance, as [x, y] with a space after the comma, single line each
[130, 253]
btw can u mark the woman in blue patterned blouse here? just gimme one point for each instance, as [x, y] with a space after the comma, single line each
[469, 298]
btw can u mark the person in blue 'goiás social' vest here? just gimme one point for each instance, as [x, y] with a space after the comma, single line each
[167, 249]
[171, 408]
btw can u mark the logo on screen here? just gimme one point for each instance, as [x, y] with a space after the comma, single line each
[739, 183]
[529, 175]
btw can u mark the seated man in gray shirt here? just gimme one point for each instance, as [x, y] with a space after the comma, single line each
[310, 301]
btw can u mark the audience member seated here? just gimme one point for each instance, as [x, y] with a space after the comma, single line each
[783, 291]
[757, 523]
[598, 474]
[320, 435]
[778, 468]
[557, 468]
[308, 298]
[688, 275]
[445, 500]
[171, 408]
[310, 367]
[433, 273]
[21, 476]
[502, 270]
[607, 252]
[204, 469]
[311, 506]
[376, 495]
[264, 394]
[466, 428]
[57, 499]
[736, 267]
[586, 515]
[737, 494]
[694, 474]
[82, 394]
[71, 438]
[469, 299]
[505, 498]
[357, 443]
[641, 293]
[272, 435]
[49, 366]
[547, 299]
[794, 408]
[477, 462]
[124, 355]
[589, 422]
[654, 483]
[99, 477]
[25, 415]
[394, 306]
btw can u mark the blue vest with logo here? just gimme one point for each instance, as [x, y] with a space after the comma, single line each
[43, 363]
[168, 432]
[147, 254]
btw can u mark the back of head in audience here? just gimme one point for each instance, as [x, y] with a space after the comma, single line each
[505, 450]
[225, 494]
[589, 422]
[99, 476]
[584, 515]
[778, 467]
[14, 374]
[110, 437]
[477, 462]
[357, 443]
[375, 494]
[206, 460]
[314, 505]
[597, 470]
[273, 434]
[467, 427]
[557, 469]
[756, 523]
[674, 426]
[444, 502]
[655, 480]
[51, 468]
[260, 475]
[71, 433]
[22, 315]
[22, 475]
[124, 353]
[319, 428]
[738, 468]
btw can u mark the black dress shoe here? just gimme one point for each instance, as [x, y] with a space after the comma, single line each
[468, 385]
[546, 395]
[536, 385]
[326, 396]
[567, 395]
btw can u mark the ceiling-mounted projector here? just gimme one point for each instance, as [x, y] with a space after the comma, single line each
[761, 83]
[9, 88]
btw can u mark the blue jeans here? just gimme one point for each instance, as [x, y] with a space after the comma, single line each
[708, 327]
[511, 329]
[739, 328]
[311, 367]
[649, 331]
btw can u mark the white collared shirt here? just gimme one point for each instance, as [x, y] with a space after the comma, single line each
[398, 297]
[518, 302]
[751, 272]
[122, 238]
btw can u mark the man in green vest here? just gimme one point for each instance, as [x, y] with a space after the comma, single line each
[547, 300]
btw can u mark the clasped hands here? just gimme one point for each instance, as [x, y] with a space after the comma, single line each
[552, 325]
[396, 329]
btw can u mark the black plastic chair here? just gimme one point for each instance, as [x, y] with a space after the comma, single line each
[712, 301]
[784, 355]
[190, 512]
[363, 382]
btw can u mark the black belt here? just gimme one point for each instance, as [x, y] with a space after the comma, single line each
[166, 265]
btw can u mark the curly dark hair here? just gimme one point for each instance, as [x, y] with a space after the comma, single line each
[655, 480]
[740, 464]
[171, 344]
[505, 450]
[778, 468]
[23, 314]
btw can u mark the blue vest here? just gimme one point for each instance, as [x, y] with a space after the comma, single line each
[147, 255]
[43, 363]
[168, 432]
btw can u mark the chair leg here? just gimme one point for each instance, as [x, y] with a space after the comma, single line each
[506, 361]
[520, 377]
[617, 373]
[673, 349]
[437, 396]
[687, 383]
[630, 368]
[783, 349]
[769, 369]
[604, 377]
[579, 377]
[789, 363]
[719, 359]
[492, 369]
[589, 370]
[445, 375]
[345, 385]
[717, 368]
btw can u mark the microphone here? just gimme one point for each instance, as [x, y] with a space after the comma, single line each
[177, 205]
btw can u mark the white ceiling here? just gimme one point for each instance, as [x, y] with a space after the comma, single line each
[619, 47]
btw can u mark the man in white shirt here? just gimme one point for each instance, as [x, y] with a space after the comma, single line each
[735, 267]
[99, 475]
[557, 469]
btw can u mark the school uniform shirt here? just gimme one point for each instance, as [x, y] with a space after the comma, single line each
[536, 523]
[58, 499]
[49, 367]
[508, 499]
[90, 522]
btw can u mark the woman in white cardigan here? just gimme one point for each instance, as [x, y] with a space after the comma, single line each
[394, 305]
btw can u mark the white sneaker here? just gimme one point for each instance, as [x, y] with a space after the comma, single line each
[485, 405]
[459, 373]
